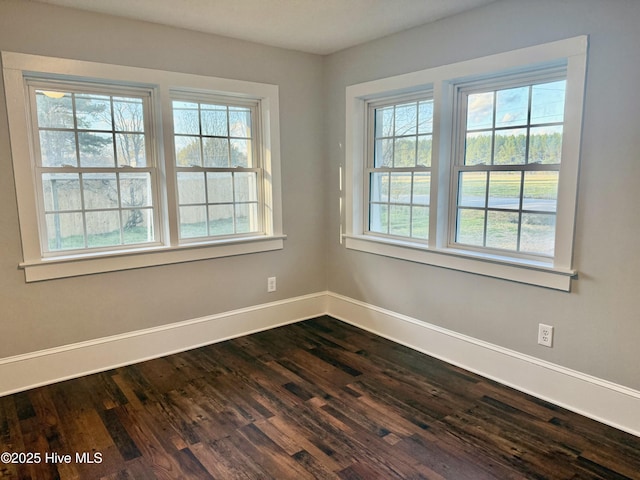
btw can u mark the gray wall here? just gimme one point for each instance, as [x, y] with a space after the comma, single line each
[598, 323]
[57, 312]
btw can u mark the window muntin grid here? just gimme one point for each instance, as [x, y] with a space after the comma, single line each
[94, 167]
[217, 169]
[399, 168]
[507, 171]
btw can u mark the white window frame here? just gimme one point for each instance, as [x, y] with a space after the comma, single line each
[412, 170]
[256, 160]
[460, 112]
[146, 95]
[556, 272]
[18, 67]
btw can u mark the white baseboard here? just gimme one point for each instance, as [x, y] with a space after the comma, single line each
[22, 372]
[592, 397]
[604, 401]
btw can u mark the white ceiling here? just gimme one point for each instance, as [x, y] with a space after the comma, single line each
[315, 26]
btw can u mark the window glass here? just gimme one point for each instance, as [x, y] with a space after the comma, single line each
[508, 173]
[88, 202]
[399, 177]
[217, 169]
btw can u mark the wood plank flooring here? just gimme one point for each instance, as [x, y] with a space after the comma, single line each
[314, 400]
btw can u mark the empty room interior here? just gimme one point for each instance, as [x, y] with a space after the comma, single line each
[342, 239]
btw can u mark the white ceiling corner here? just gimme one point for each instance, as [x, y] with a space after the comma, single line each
[314, 26]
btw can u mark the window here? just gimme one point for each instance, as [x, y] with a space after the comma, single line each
[95, 172]
[508, 166]
[120, 167]
[218, 169]
[471, 166]
[399, 170]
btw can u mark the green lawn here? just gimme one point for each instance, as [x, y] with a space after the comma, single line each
[74, 242]
[537, 230]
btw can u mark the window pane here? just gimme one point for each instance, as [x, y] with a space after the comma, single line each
[425, 117]
[420, 222]
[130, 149]
[478, 148]
[405, 152]
[424, 151]
[545, 145]
[406, 119]
[214, 120]
[241, 153]
[245, 187]
[399, 220]
[128, 114]
[384, 122]
[102, 132]
[538, 233]
[400, 191]
[480, 111]
[216, 152]
[512, 107]
[246, 217]
[137, 226]
[185, 118]
[96, 150]
[510, 147]
[193, 221]
[379, 187]
[220, 187]
[135, 189]
[540, 191]
[470, 227]
[61, 192]
[547, 102]
[54, 112]
[65, 231]
[379, 218]
[521, 132]
[100, 190]
[191, 188]
[188, 151]
[421, 188]
[58, 149]
[239, 122]
[221, 220]
[93, 112]
[502, 230]
[103, 228]
[504, 190]
[230, 199]
[472, 189]
[383, 156]
[215, 125]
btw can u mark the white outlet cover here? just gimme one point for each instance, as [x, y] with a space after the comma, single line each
[545, 335]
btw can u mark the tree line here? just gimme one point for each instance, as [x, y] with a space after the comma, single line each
[512, 149]
[508, 150]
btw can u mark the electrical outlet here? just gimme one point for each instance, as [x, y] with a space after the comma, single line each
[545, 335]
[271, 284]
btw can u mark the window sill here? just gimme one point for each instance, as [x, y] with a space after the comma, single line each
[86, 264]
[517, 270]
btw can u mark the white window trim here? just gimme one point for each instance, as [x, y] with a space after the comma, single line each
[425, 95]
[555, 274]
[256, 160]
[17, 65]
[145, 94]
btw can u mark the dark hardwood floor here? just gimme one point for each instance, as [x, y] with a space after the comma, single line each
[317, 399]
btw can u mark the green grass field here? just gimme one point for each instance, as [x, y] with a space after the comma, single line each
[498, 230]
[73, 242]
